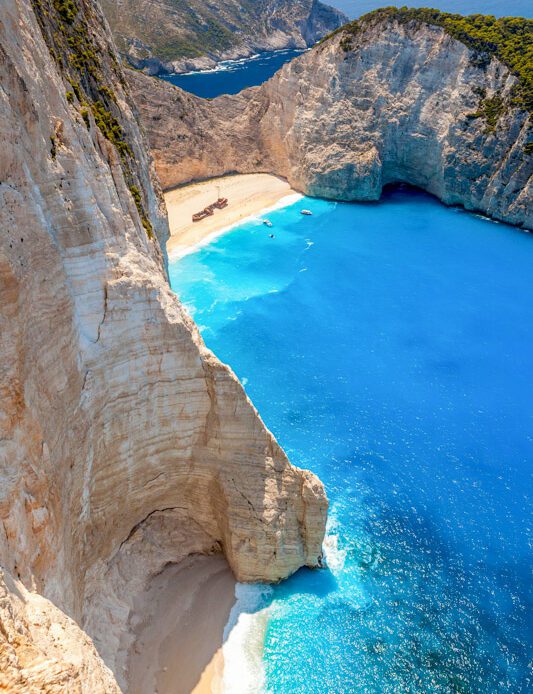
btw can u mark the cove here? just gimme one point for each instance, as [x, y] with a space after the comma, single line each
[388, 348]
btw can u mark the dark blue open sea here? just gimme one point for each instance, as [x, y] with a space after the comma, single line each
[232, 76]
[388, 346]
[499, 8]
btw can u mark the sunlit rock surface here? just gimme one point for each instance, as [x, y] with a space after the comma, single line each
[396, 106]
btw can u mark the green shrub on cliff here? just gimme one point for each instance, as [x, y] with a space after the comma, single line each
[70, 29]
[509, 39]
[490, 109]
[66, 9]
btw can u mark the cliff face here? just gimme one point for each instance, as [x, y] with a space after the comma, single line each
[159, 36]
[124, 443]
[396, 102]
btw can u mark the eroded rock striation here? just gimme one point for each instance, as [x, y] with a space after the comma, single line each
[158, 36]
[124, 443]
[389, 99]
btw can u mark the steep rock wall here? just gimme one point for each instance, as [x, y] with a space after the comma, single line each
[341, 122]
[182, 35]
[124, 443]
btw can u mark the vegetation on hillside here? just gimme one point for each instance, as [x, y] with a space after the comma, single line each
[509, 39]
[169, 30]
[182, 28]
[74, 47]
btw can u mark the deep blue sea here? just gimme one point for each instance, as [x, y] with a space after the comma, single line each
[500, 8]
[232, 76]
[388, 346]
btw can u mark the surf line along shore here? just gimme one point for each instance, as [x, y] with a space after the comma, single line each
[249, 195]
[184, 655]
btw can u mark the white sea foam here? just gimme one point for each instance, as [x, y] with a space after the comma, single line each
[486, 219]
[244, 638]
[222, 66]
[335, 556]
[285, 201]
[181, 251]
[207, 71]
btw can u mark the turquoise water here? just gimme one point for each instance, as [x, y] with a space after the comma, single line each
[388, 347]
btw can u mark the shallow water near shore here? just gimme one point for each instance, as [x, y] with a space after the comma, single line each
[388, 347]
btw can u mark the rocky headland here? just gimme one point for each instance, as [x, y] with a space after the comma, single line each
[125, 445]
[157, 36]
[399, 96]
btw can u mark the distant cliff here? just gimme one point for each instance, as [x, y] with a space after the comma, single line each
[124, 443]
[399, 96]
[159, 36]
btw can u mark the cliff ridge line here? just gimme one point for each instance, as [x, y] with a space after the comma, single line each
[393, 98]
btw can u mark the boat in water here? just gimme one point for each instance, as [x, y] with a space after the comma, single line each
[307, 212]
[267, 222]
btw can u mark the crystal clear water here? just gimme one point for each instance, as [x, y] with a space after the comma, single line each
[388, 347]
[232, 76]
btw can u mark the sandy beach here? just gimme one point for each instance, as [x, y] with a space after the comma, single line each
[178, 649]
[248, 195]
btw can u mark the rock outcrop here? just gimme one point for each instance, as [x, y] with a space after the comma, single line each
[158, 36]
[393, 101]
[124, 443]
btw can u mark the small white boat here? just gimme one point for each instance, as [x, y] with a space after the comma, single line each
[307, 212]
[267, 222]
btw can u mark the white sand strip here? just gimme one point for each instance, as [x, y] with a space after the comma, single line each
[249, 195]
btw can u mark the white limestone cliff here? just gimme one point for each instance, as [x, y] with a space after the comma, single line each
[392, 104]
[124, 443]
[157, 36]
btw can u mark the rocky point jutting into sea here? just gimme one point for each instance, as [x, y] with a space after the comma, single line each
[398, 96]
[125, 445]
[195, 35]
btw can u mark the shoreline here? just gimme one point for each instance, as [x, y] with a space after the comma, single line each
[180, 626]
[205, 64]
[250, 196]
[226, 64]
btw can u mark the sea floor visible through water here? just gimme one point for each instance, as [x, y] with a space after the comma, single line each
[388, 348]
